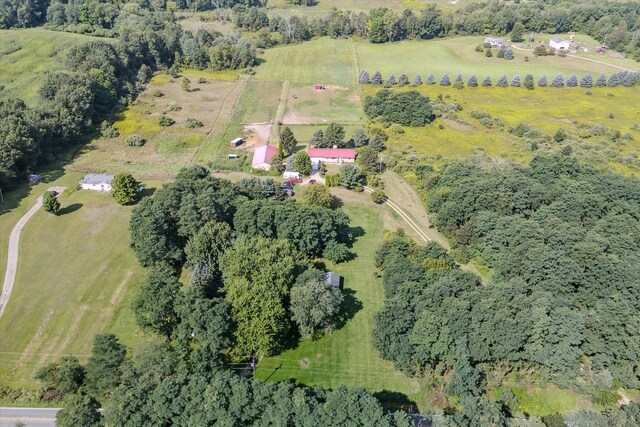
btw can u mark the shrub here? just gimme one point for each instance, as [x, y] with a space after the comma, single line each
[174, 107]
[480, 48]
[487, 82]
[528, 82]
[488, 53]
[193, 123]
[486, 45]
[445, 81]
[403, 80]
[158, 93]
[543, 82]
[540, 50]
[185, 84]
[586, 82]
[364, 78]
[50, 202]
[135, 140]
[202, 80]
[502, 82]
[558, 81]
[473, 81]
[501, 51]
[459, 84]
[378, 196]
[165, 121]
[377, 78]
[108, 131]
[508, 54]
[351, 176]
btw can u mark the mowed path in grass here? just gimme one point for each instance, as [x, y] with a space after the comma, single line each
[26, 55]
[347, 355]
[75, 277]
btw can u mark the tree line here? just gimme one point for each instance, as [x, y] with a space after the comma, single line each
[614, 21]
[621, 78]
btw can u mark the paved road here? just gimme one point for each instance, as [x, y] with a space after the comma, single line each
[12, 255]
[36, 417]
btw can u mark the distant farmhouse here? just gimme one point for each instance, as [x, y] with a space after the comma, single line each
[262, 157]
[97, 182]
[494, 42]
[331, 155]
[559, 44]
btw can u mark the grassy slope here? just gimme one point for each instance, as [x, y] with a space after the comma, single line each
[457, 56]
[347, 355]
[40, 51]
[76, 276]
[547, 109]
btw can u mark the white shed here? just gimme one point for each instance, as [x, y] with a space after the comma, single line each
[97, 182]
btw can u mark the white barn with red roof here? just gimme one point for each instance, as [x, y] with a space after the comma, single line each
[331, 155]
[262, 157]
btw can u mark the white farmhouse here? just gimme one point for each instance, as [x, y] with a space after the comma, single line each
[97, 182]
[559, 44]
[331, 155]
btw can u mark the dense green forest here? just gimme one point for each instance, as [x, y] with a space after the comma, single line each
[562, 240]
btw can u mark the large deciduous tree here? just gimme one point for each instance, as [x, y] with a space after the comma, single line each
[125, 188]
[314, 303]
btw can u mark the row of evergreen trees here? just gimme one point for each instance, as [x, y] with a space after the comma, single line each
[623, 78]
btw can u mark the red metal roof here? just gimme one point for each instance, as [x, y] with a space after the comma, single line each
[332, 153]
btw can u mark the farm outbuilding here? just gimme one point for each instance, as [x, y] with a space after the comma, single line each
[97, 182]
[236, 142]
[331, 155]
[494, 42]
[318, 87]
[262, 157]
[559, 44]
[333, 279]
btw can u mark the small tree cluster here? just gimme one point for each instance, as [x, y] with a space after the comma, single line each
[135, 140]
[165, 121]
[193, 123]
[351, 176]
[332, 180]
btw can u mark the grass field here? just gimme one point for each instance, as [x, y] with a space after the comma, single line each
[76, 275]
[324, 6]
[26, 55]
[546, 109]
[167, 148]
[347, 356]
[341, 104]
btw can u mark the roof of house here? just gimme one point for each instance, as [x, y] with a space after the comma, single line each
[97, 178]
[332, 279]
[492, 39]
[263, 155]
[332, 153]
[558, 40]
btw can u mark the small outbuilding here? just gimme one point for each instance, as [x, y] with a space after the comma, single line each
[333, 279]
[236, 142]
[262, 157]
[318, 87]
[97, 182]
[559, 44]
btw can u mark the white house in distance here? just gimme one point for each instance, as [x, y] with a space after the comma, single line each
[494, 42]
[331, 155]
[262, 157]
[97, 182]
[559, 44]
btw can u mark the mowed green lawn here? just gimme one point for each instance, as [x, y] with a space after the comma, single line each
[347, 355]
[457, 56]
[76, 276]
[26, 55]
[323, 61]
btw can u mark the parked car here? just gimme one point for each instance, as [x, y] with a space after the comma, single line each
[295, 180]
[312, 181]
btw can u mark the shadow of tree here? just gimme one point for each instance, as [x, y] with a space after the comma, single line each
[69, 209]
[393, 400]
[350, 306]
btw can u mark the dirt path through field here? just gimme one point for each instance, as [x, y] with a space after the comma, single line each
[12, 253]
[275, 129]
[580, 57]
